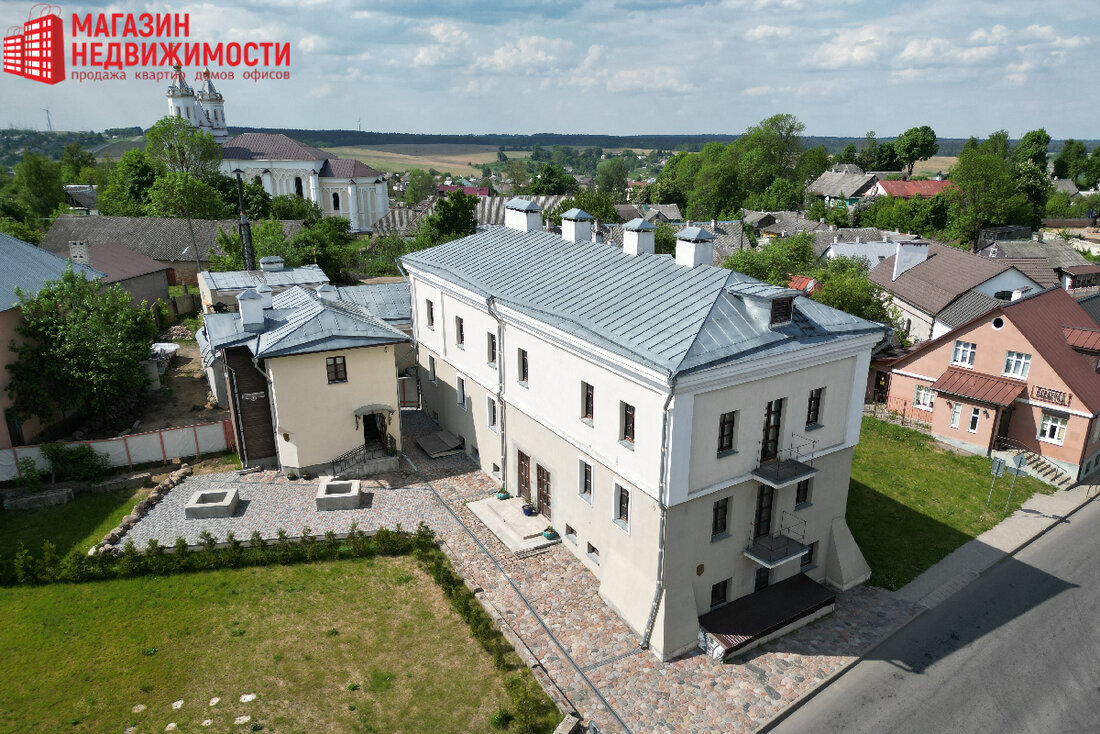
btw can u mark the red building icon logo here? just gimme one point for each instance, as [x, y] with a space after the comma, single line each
[37, 49]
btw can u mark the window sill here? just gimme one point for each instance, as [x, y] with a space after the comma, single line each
[626, 444]
[963, 365]
[586, 497]
[624, 526]
[337, 382]
[572, 539]
[594, 558]
[719, 536]
[926, 409]
[1051, 441]
[727, 452]
[492, 365]
[522, 383]
[587, 422]
[803, 505]
[461, 346]
[813, 426]
[493, 429]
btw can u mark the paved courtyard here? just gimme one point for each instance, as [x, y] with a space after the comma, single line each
[551, 601]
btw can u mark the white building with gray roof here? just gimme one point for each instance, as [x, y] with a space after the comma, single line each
[687, 430]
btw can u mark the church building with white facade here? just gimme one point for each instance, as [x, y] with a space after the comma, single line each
[341, 187]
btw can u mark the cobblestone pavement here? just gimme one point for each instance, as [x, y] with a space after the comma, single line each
[551, 600]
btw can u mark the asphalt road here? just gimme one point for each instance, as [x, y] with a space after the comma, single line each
[1018, 650]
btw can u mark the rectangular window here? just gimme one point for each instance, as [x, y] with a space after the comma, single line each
[522, 366]
[813, 408]
[460, 332]
[622, 507]
[491, 413]
[956, 414]
[570, 534]
[429, 311]
[726, 425]
[584, 481]
[762, 523]
[460, 391]
[337, 369]
[781, 310]
[588, 401]
[773, 418]
[802, 493]
[1052, 429]
[719, 592]
[975, 416]
[491, 349]
[808, 559]
[594, 554]
[627, 432]
[718, 517]
[923, 397]
[1017, 364]
[963, 355]
[431, 368]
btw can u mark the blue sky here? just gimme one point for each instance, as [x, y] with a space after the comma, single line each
[613, 66]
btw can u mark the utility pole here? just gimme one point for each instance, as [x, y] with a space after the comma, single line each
[245, 227]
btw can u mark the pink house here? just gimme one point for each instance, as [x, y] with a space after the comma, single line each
[1022, 377]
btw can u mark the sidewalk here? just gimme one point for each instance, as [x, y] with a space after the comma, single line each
[1038, 515]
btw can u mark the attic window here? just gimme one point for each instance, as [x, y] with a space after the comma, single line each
[781, 311]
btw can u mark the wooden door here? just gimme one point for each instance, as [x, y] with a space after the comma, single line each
[524, 462]
[544, 491]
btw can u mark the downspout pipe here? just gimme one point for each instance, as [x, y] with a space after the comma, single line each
[662, 504]
[491, 304]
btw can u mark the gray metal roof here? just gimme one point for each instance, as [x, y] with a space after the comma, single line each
[872, 252]
[639, 225]
[576, 215]
[694, 234]
[28, 268]
[388, 301]
[647, 308]
[523, 205]
[301, 323]
[241, 279]
[967, 306]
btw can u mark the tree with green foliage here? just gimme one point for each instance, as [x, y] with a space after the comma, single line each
[1033, 147]
[916, 144]
[1070, 160]
[178, 146]
[998, 144]
[291, 207]
[21, 231]
[77, 165]
[988, 194]
[551, 180]
[81, 349]
[1089, 175]
[421, 185]
[452, 217]
[845, 286]
[664, 239]
[327, 243]
[178, 195]
[598, 204]
[835, 214]
[39, 183]
[611, 177]
[813, 163]
[516, 173]
[268, 239]
[128, 185]
[776, 262]
[781, 195]
[257, 202]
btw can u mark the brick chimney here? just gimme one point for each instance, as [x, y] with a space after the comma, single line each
[78, 253]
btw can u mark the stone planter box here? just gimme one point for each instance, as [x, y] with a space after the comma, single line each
[211, 503]
[44, 498]
[337, 494]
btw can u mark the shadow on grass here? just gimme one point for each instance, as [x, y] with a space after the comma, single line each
[83, 520]
[898, 542]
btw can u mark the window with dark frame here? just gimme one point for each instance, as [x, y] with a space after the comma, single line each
[813, 407]
[431, 368]
[719, 593]
[491, 348]
[588, 400]
[460, 333]
[623, 501]
[719, 515]
[522, 361]
[725, 431]
[628, 423]
[762, 523]
[430, 313]
[781, 310]
[802, 493]
[586, 479]
[808, 558]
[773, 418]
[763, 578]
[337, 369]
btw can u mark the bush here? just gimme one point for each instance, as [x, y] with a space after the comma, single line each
[30, 476]
[77, 462]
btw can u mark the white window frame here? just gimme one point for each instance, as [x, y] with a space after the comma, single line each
[924, 391]
[432, 378]
[460, 392]
[963, 354]
[623, 525]
[1020, 362]
[1056, 422]
[975, 420]
[491, 413]
[956, 414]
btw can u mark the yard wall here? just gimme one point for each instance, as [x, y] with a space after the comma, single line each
[139, 448]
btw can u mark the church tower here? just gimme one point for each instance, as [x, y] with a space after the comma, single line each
[181, 100]
[204, 109]
[213, 108]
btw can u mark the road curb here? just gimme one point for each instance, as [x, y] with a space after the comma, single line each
[801, 701]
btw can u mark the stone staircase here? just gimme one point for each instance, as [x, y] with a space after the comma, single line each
[1034, 464]
[364, 461]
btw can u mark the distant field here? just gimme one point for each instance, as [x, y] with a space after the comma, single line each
[935, 164]
[114, 149]
[452, 158]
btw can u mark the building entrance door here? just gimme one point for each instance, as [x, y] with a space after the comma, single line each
[524, 479]
[544, 491]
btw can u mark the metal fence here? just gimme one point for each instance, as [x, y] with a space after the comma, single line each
[161, 445]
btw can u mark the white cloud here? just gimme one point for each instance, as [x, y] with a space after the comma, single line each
[851, 47]
[763, 32]
[449, 49]
[997, 34]
[532, 54]
[756, 91]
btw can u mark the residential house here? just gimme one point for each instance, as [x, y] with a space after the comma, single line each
[82, 199]
[1021, 378]
[311, 381]
[841, 186]
[1047, 261]
[686, 429]
[650, 212]
[833, 235]
[930, 283]
[767, 225]
[219, 290]
[490, 210]
[445, 189]
[171, 242]
[909, 189]
[1066, 186]
[28, 269]
[143, 278]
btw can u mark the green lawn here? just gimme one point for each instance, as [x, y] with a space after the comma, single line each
[910, 503]
[352, 645]
[78, 524]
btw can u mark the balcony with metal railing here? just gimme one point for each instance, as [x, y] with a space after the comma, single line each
[790, 465]
[780, 546]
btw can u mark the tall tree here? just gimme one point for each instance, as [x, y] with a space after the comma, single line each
[988, 194]
[611, 178]
[268, 239]
[329, 244]
[289, 206]
[39, 182]
[916, 144]
[75, 162]
[421, 186]
[180, 147]
[597, 204]
[998, 144]
[551, 180]
[127, 191]
[452, 217]
[179, 195]
[1033, 147]
[1071, 159]
[82, 346]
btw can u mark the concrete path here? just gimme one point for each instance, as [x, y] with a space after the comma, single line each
[1038, 515]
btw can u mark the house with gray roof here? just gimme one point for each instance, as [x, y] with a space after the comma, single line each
[26, 269]
[833, 235]
[685, 429]
[1048, 260]
[403, 221]
[310, 379]
[219, 290]
[841, 187]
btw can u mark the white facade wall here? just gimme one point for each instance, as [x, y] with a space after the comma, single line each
[1009, 280]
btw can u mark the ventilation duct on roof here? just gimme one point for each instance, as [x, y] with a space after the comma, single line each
[639, 237]
[576, 226]
[271, 264]
[694, 247]
[250, 305]
[909, 255]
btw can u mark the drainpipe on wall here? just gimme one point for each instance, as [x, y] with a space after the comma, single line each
[662, 503]
[500, 390]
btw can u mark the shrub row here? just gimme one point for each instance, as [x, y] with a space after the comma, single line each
[158, 560]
